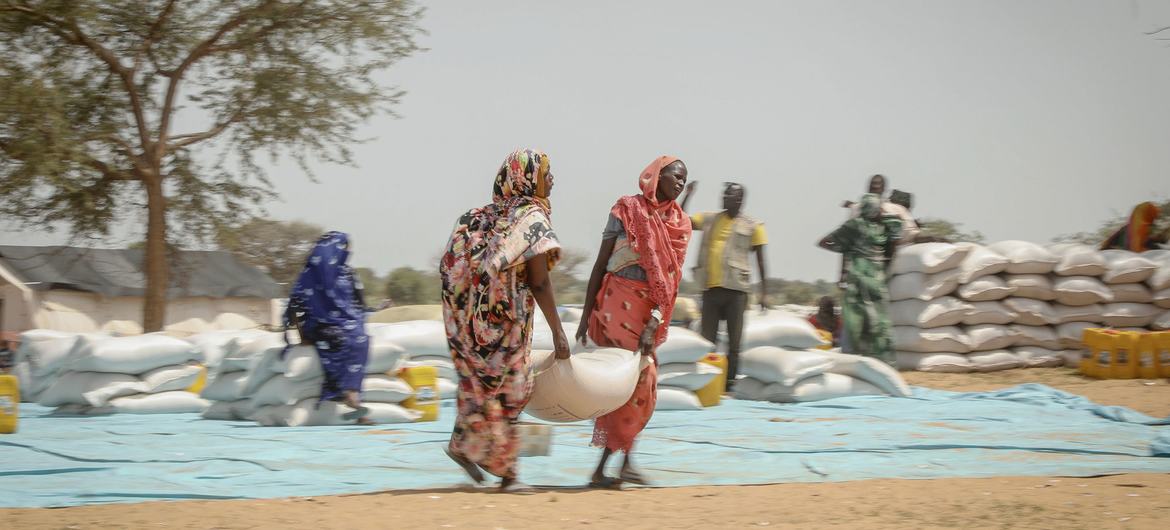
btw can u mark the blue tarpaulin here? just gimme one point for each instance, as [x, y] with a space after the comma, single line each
[1025, 430]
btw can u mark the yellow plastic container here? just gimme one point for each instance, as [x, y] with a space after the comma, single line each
[1112, 354]
[827, 337]
[1147, 356]
[712, 394]
[1162, 345]
[425, 382]
[9, 403]
[200, 382]
[1098, 342]
[1125, 359]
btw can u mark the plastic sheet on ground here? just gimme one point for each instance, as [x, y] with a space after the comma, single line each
[1025, 430]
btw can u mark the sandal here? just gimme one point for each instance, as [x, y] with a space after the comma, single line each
[605, 483]
[356, 413]
[516, 487]
[468, 466]
[634, 477]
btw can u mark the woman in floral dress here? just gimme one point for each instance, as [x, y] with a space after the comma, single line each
[495, 271]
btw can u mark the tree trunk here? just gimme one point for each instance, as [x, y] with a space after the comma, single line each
[156, 265]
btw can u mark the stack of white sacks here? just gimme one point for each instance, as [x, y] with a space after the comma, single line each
[38, 361]
[965, 307]
[145, 374]
[779, 366]
[253, 381]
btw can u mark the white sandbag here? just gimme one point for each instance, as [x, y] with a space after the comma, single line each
[1129, 315]
[265, 366]
[71, 387]
[777, 365]
[1072, 333]
[928, 258]
[168, 378]
[980, 261]
[45, 350]
[938, 340]
[944, 311]
[415, 337]
[1031, 312]
[385, 389]
[281, 390]
[752, 389]
[584, 386]
[934, 362]
[250, 347]
[225, 387]
[994, 361]
[1135, 293]
[30, 386]
[1025, 257]
[990, 337]
[1072, 358]
[1034, 286]
[917, 285]
[213, 346]
[685, 346]
[687, 376]
[1126, 267]
[1160, 279]
[1080, 260]
[831, 386]
[385, 355]
[1042, 336]
[444, 367]
[870, 370]
[1082, 313]
[1034, 357]
[1081, 290]
[301, 362]
[174, 402]
[778, 329]
[1162, 299]
[165, 379]
[986, 289]
[676, 399]
[309, 413]
[448, 388]
[989, 313]
[129, 355]
[1162, 322]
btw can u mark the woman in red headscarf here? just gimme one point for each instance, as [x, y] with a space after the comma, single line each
[631, 295]
[1136, 235]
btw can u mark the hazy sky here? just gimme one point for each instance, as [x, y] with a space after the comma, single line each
[1022, 120]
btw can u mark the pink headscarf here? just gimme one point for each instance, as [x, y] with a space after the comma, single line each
[659, 233]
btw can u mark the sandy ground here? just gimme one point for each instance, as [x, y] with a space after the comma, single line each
[1124, 501]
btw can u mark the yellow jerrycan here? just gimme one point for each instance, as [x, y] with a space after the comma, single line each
[712, 394]
[9, 403]
[425, 382]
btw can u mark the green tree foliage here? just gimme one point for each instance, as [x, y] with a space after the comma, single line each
[375, 286]
[948, 230]
[276, 247]
[91, 92]
[407, 286]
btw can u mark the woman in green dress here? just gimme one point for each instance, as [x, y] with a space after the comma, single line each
[866, 241]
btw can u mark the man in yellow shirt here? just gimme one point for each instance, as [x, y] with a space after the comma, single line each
[724, 270]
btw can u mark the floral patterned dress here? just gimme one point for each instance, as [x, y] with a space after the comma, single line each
[488, 308]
